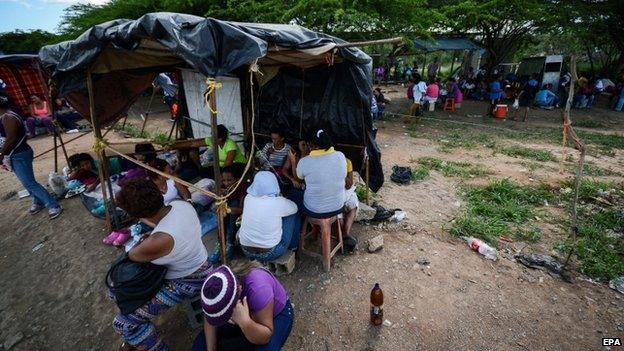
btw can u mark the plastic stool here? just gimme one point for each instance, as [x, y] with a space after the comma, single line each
[449, 105]
[325, 227]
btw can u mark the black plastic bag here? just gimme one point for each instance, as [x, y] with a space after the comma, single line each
[401, 175]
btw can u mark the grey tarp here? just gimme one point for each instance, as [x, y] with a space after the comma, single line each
[333, 84]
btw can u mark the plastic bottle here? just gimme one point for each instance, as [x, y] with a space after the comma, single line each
[376, 311]
[486, 250]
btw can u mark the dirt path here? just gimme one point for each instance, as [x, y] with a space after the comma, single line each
[54, 298]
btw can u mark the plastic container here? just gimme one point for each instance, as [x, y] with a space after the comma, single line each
[500, 111]
[486, 250]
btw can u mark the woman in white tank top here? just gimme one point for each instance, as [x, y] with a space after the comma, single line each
[168, 188]
[175, 246]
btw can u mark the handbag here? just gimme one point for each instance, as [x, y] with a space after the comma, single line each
[133, 284]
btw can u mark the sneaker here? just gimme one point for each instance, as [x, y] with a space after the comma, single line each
[34, 209]
[55, 212]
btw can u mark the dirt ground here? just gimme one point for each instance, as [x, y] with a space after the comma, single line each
[54, 298]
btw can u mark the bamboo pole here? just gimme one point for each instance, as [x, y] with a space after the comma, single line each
[580, 146]
[63, 148]
[217, 171]
[149, 110]
[103, 169]
[55, 152]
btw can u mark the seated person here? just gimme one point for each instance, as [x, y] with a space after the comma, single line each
[255, 303]
[82, 170]
[170, 189]
[186, 168]
[433, 92]
[170, 244]
[546, 98]
[40, 115]
[381, 100]
[144, 153]
[66, 115]
[229, 152]
[352, 203]
[274, 155]
[455, 92]
[236, 201]
[269, 221]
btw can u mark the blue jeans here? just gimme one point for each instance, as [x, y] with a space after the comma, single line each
[282, 325]
[620, 103]
[290, 239]
[230, 222]
[22, 164]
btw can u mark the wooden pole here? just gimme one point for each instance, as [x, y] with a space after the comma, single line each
[367, 164]
[217, 172]
[55, 153]
[149, 110]
[103, 169]
[63, 148]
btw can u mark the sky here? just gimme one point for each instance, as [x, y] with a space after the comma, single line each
[34, 14]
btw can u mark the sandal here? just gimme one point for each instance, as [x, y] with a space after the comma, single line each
[124, 235]
[111, 237]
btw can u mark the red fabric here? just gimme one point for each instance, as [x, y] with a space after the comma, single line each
[22, 80]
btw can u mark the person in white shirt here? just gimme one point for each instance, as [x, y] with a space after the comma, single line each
[418, 91]
[269, 222]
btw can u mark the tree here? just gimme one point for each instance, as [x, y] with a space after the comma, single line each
[502, 26]
[25, 41]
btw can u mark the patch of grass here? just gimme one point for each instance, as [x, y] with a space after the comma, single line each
[590, 169]
[131, 130]
[600, 254]
[360, 191]
[456, 139]
[453, 169]
[525, 152]
[588, 123]
[531, 166]
[420, 173]
[501, 208]
[603, 141]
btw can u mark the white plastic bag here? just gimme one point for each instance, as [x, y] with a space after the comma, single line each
[516, 104]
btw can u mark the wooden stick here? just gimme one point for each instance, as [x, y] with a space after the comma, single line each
[63, 148]
[97, 134]
[149, 107]
[580, 146]
[55, 153]
[367, 164]
[217, 171]
[68, 141]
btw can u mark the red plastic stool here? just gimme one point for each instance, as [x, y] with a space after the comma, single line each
[325, 227]
[449, 105]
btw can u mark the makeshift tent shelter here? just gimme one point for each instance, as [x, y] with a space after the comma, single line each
[307, 80]
[24, 76]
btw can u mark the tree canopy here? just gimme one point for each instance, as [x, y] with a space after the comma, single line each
[25, 41]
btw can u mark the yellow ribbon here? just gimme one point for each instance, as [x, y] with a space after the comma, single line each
[99, 145]
[212, 86]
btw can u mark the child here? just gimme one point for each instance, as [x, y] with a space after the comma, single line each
[82, 170]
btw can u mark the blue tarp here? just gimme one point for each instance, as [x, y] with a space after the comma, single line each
[444, 44]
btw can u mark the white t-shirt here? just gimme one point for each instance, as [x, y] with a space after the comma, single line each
[171, 193]
[261, 223]
[188, 252]
[324, 173]
[419, 90]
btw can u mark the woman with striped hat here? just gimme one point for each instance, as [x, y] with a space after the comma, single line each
[245, 308]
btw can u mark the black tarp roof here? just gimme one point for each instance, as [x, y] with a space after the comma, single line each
[333, 83]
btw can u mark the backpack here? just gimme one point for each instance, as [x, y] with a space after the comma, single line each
[410, 92]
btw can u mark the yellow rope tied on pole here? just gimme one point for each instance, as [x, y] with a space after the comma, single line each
[211, 87]
[99, 145]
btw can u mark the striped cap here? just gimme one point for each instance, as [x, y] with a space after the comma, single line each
[218, 296]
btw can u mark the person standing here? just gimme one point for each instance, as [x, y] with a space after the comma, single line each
[17, 155]
[418, 91]
[169, 90]
[433, 69]
[496, 93]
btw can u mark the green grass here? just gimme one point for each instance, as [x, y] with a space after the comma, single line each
[591, 170]
[360, 191]
[135, 132]
[588, 123]
[530, 165]
[420, 173]
[501, 208]
[451, 168]
[525, 152]
[600, 255]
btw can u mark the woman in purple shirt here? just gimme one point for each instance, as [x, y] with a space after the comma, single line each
[245, 308]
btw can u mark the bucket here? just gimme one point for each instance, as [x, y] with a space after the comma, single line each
[500, 111]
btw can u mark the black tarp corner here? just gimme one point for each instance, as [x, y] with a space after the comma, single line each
[335, 97]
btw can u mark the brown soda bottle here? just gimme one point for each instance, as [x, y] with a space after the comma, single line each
[376, 299]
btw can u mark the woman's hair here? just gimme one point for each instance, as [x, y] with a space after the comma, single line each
[160, 165]
[5, 102]
[322, 140]
[146, 150]
[75, 159]
[222, 132]
[140, 198]
[35, 95]
[417, 77]
[277, 130]
[235, 169]
[242, 267]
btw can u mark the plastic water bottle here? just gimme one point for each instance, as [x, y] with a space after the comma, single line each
[486, 250]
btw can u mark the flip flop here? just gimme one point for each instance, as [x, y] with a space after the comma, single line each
[111, 237]
[122, 238]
